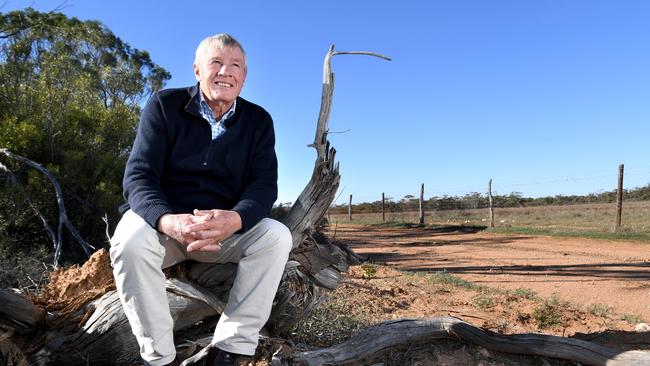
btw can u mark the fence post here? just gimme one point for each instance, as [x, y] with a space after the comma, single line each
[422, 204]
[619, 198]
[350, 209]
[490, 203]
[383, 207]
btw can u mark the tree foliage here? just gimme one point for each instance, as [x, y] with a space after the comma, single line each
[70, 96]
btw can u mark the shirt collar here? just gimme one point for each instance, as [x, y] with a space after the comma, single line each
[205, 108]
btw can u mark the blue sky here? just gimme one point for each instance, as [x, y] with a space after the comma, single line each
[544, 97]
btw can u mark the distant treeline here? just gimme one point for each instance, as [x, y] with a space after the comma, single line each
[480, 200]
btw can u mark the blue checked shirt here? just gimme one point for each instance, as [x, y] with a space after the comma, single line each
[218, 127]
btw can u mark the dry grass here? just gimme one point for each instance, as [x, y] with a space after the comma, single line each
[580, 218]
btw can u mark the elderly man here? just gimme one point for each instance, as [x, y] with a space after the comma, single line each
[199, 184]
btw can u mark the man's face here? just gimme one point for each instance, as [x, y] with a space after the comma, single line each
[221, 72]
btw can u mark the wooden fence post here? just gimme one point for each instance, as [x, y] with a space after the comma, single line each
[383, 207]
[422, 204]
[619, 198]
[490, 203]
[350, 209]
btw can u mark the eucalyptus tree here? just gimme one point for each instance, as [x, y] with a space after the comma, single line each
[70, 96]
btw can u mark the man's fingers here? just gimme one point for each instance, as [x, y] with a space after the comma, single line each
[210, 248]
[205, 245]
[203, 213]
[200, 226]
[207, 234]
[196, 227]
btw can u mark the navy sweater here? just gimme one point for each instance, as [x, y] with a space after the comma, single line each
[175, 166]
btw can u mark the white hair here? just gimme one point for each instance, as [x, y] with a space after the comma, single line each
[220, 40]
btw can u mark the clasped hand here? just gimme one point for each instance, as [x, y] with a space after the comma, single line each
[204, 230]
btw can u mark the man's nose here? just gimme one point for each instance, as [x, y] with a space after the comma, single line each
[222, 70]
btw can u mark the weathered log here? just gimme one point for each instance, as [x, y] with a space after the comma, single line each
[99, 334]
[366, 346]
[19, 312]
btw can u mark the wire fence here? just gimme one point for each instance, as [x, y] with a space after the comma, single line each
[591, 212]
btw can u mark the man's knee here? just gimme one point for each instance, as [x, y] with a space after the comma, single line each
[134, 239]
[277, 234]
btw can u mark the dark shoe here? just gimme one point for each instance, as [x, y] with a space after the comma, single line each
[218, 357]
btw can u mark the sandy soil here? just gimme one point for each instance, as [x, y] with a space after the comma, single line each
[601, 289]
[581, 271]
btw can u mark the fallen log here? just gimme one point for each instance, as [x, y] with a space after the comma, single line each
[19, 312]
[365, 347]
[103, 335]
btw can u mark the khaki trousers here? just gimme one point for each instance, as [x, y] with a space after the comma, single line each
[138, 255]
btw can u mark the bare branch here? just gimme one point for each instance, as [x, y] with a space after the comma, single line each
[63, 216]
[105, 219]
[362, 53]
[10, 174]
[339, 195]
[317, 196]
[47, 227]
[339, 132]
[320, 140]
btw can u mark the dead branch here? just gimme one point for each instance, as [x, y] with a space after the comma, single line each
[11, 176]
[365, 346]
[318, 195]
[47, 227]
[63, 216]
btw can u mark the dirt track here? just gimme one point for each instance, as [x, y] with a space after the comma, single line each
[582, 271]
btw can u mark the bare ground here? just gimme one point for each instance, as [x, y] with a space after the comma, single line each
[590, 289]
[583, 271]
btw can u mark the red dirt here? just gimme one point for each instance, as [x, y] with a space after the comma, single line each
[71, 287]
[585, 273]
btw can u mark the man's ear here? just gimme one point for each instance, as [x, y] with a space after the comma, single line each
[197, 72]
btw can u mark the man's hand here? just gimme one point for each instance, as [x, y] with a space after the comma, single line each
[176, 227]
[211, 227]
